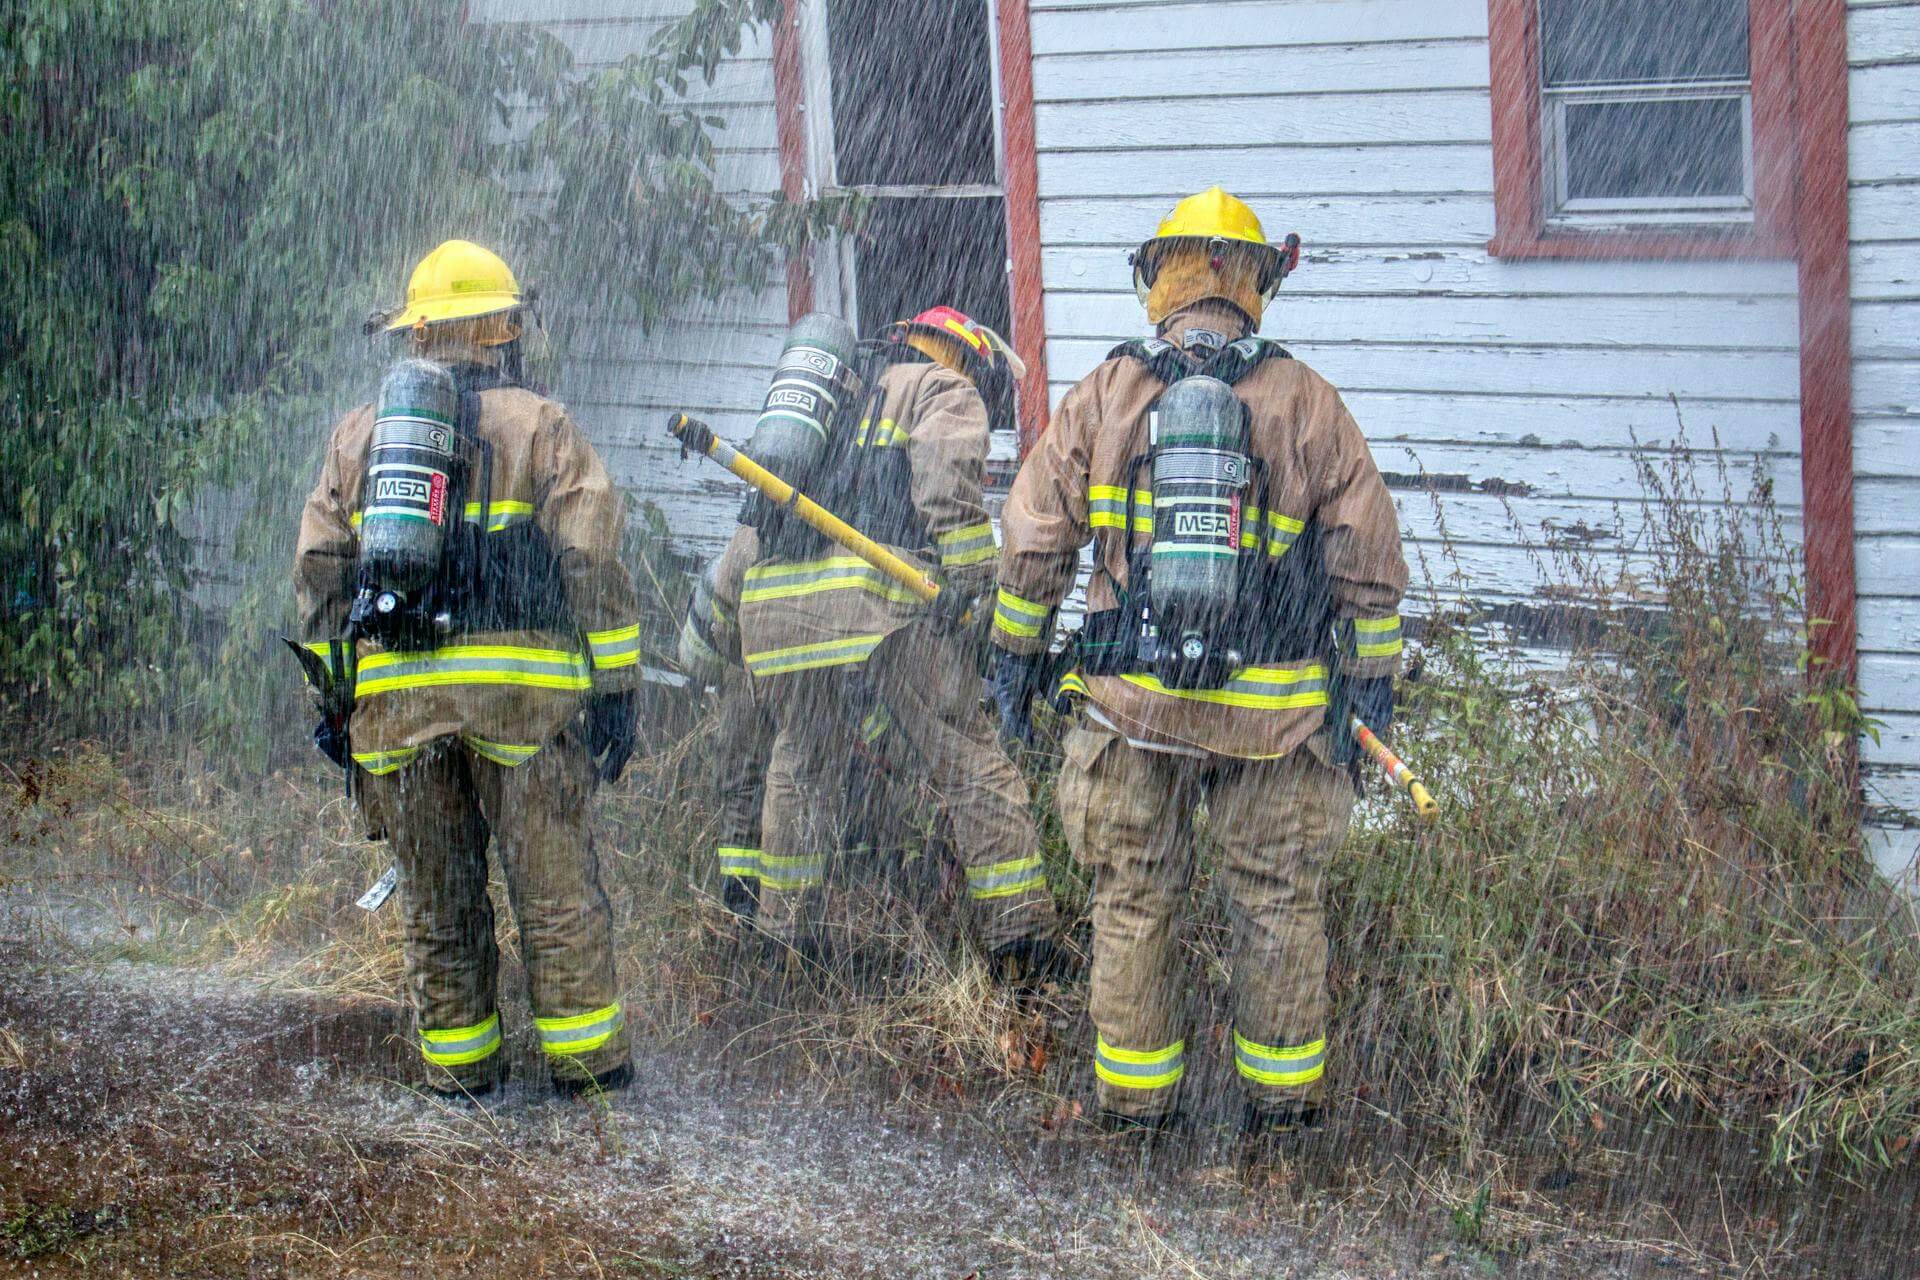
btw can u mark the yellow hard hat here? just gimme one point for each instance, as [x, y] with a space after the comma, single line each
[1214, 217]
[457, 281]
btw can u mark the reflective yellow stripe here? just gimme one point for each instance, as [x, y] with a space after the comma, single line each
[1005, 879]
[1254, 687]
[806, 657]
[323, 649]
[737, 860]
[885, 436]
[1139, 1068]
[1074, 682]
[473, 664]
[619, 647]
[500, 515]
[581, 1033]
[456, 1046]
[511, 754]
[1018, 617]
[971, 545]
[875, 725]
[384, 762]
[1377, 637]
[784, 581]
[1282, 1065]
[1107, 507]
[796, 871]
[1282, 531]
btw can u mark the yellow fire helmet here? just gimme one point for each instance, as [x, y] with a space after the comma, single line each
[1224, 224]
[457, 281]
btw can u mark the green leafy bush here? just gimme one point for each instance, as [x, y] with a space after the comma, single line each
[203, 199]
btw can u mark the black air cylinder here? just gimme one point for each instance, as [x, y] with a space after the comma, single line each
[404, 511]
[1200, 472]
[813, 380]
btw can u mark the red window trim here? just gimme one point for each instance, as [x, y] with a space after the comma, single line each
[1520, 231]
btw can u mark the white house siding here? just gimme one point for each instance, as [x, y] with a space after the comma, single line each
[1883, 52]
[1365, 125]
[711, 359]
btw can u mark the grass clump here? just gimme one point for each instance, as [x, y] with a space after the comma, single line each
[1647, 900]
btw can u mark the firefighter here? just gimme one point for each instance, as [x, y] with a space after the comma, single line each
[1247, 573]
[491, 720]
[743, 739]
[834, 643]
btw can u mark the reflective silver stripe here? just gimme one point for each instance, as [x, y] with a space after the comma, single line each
[971, 545]
[1017, 616]
[1004, 879]
[804, 657]
[427, 666]
[1139, 1068]
[736, 860]
[581, 1033]
[456, 1046]
[618, 647]
[780, 581]
[1376, 637]
[1280, 1065]
[799, 871]
[511, 754]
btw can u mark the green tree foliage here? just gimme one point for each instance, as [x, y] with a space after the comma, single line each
[201, 200]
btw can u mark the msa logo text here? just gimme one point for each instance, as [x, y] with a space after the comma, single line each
[788, 399]
[401, 489]
[1202, 524]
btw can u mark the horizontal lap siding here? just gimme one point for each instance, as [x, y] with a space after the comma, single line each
[1503, 399]
[1883, 50]
[711, 359]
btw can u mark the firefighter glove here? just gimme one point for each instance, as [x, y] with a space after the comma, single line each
[951, 607]
[610, 730]
[1373, 702]
[1015, 680]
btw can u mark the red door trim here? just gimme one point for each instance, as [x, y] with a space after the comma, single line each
[1023, 216]
[789, 115]
[1826, 332]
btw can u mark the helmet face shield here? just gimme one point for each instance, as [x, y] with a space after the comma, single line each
[1273, 262]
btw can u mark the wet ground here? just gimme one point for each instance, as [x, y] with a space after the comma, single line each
[164, 1121]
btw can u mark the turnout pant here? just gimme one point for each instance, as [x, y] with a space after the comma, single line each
[926, 683]
[440, 811]
[1128, 816]
[743, 739]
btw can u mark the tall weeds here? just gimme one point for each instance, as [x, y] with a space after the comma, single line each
[1647, 900]
[1644, 906]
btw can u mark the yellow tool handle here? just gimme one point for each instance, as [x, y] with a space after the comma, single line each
[696, 435]
[1395, 768]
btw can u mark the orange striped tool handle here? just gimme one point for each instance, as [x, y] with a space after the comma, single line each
[1395, 768]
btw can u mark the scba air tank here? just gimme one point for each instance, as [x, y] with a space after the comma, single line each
[1200, 473]
[813, 381]
[411, 468]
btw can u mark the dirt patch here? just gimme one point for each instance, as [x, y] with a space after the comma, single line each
[154, 1123]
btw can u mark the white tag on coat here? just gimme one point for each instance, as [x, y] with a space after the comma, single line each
[382, 889]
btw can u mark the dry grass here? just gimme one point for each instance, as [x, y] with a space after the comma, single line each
[1643, 927]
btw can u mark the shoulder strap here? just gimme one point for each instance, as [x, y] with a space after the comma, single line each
[1237, 359]
[1163, 360]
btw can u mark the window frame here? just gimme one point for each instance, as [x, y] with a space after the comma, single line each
[841, 253]
[1522, 131]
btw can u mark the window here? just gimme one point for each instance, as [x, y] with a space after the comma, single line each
[913, 127]
[1623, 127]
